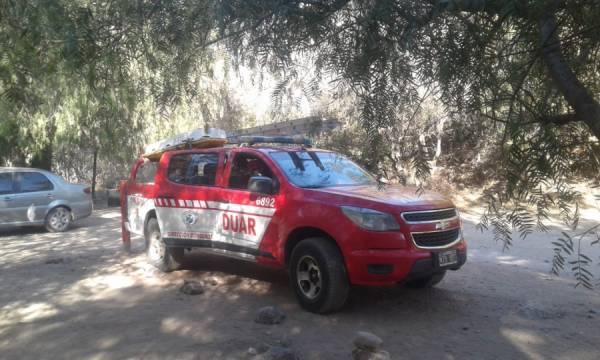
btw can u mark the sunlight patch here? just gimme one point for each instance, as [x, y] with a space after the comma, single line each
[186, 328]
[19, 312]
[524, 340]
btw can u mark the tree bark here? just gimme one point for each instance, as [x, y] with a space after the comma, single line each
[94, 174]
[587, 109]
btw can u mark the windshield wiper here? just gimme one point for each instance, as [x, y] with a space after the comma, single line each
[316, 159]
[296, 160]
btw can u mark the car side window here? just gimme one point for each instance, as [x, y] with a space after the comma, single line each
[194, 169]
[32, 182]
[6, 184]
[146, 172]
[245, 166]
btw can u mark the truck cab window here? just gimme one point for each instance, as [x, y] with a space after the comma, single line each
[194, 169]
[245, 166]
[146, 172]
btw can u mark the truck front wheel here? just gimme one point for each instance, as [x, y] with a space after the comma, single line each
[318, 276]
[164, 258]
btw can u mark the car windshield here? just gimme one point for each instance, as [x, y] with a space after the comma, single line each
[315, 169]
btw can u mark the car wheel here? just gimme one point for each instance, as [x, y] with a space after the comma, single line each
[164, 258]
[58, 219]
[318, 276]
[426, 282]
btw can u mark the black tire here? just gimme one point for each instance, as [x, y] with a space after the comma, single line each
[426, 282]
[330, 270]
[58, 219]
[162, 257]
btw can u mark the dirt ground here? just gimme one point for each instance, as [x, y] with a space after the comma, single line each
[77, 295]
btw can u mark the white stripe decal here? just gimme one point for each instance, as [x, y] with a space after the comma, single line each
[248, 209]
[201, 204]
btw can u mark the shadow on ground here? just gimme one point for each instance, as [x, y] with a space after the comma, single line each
[77, 295]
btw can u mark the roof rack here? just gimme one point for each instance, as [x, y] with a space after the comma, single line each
[251, 140]
[198, 138]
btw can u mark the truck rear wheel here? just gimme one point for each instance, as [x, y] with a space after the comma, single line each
[426, 282]
[318, 276]
[164, 258]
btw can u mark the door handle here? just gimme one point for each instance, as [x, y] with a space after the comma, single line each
[7, 199]
[50, 196]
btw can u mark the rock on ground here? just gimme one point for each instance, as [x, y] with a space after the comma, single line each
[364, 354]
[367, 347]
[367, 340]
[269, 315]
[191, 287]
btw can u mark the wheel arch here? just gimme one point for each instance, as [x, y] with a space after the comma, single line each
[58, 204]
[149, 215]
[305, 232]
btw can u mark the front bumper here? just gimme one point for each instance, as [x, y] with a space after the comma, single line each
[385, 267]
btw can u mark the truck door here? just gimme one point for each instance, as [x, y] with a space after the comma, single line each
[244, 215]
[140, 195]
[186, 195]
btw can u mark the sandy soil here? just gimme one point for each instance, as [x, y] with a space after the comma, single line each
[76, 295]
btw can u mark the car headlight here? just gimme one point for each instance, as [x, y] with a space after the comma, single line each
[370, 219]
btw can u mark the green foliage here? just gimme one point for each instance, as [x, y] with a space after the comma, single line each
[569, 253]
[81, 76]
[513, 91]
[513, 102]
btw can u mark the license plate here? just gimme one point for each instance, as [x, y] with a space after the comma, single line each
[447, 258]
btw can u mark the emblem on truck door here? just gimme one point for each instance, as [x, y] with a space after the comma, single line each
[442, 225]
[189, 218]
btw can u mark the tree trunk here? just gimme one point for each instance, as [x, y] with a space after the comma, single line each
[586, 108]
[94, 174]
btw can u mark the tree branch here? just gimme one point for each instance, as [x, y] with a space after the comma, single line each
[587, 109]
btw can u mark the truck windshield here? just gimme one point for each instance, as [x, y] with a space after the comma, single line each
[315, 169]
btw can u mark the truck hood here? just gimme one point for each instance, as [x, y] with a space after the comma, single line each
[396, 195]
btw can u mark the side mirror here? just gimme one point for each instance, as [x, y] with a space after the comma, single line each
[261, 184]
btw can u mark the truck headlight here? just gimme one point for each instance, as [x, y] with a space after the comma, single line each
[370, 219]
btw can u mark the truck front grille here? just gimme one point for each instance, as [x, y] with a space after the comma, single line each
[436, 238]
[429, 215]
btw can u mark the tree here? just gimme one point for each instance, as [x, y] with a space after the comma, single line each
[97, 59]
[521, 74]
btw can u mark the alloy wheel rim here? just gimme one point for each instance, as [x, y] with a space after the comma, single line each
[308, 275]
[60, 219]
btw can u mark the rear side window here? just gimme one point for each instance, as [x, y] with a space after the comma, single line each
[32, 182]
[244, 167]
[6, 183]
[194, 169]
[146, 172]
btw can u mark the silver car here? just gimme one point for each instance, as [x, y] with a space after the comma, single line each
[38, 197]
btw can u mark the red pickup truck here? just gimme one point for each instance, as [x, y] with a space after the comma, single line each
[312, 212]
